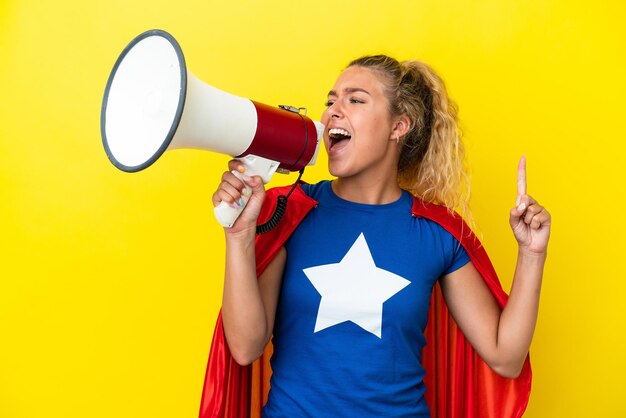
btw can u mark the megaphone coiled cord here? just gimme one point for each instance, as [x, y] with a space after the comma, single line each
[281, 208]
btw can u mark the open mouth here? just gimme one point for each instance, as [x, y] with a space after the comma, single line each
[337, 136]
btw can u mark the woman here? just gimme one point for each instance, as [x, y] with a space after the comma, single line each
[349, 291]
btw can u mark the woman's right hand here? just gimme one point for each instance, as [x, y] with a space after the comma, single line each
[249, 302]
[231, 190]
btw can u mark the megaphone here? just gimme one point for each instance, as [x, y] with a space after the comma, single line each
[152, 103]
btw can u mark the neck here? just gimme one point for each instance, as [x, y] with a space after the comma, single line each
[371, 191]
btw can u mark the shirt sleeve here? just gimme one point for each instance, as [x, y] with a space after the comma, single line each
[459, 257]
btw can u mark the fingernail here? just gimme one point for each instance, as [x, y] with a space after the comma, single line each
[241, 202]
[521, 207]
[241, 168]
[235, 205]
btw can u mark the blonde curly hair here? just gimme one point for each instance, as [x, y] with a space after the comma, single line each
[431, 164]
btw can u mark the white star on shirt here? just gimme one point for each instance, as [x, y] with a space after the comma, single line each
[354, 289]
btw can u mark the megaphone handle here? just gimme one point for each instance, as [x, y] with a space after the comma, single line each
[255, 166]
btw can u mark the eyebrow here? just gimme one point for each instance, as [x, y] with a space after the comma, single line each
[350, 90]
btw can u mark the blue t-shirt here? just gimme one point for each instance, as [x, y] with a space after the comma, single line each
[349, 329]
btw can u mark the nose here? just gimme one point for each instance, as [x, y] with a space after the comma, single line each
[335, 111]
[332, 112]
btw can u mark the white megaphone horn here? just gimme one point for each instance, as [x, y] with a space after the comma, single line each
[152, 103]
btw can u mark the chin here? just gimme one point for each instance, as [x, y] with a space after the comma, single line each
[335, 170]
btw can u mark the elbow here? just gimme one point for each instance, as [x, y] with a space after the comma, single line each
[509, 371]
[244, 357]
[245, 353]
[244, 360]
[245, 348]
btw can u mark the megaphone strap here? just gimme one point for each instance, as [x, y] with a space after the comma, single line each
[306, 133]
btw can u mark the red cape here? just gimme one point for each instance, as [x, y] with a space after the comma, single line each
[459, 384]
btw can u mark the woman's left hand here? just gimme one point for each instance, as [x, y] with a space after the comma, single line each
[529, 221]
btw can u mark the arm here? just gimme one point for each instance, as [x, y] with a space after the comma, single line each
[502, 337]
[249, 304]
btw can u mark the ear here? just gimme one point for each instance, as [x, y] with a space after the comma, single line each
[400, 127]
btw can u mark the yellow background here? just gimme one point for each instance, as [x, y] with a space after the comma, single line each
[110, 282]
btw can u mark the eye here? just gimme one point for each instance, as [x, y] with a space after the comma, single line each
[356, 100]
[329, 103]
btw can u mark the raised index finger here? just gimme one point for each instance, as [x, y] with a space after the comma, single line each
[521, 177]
